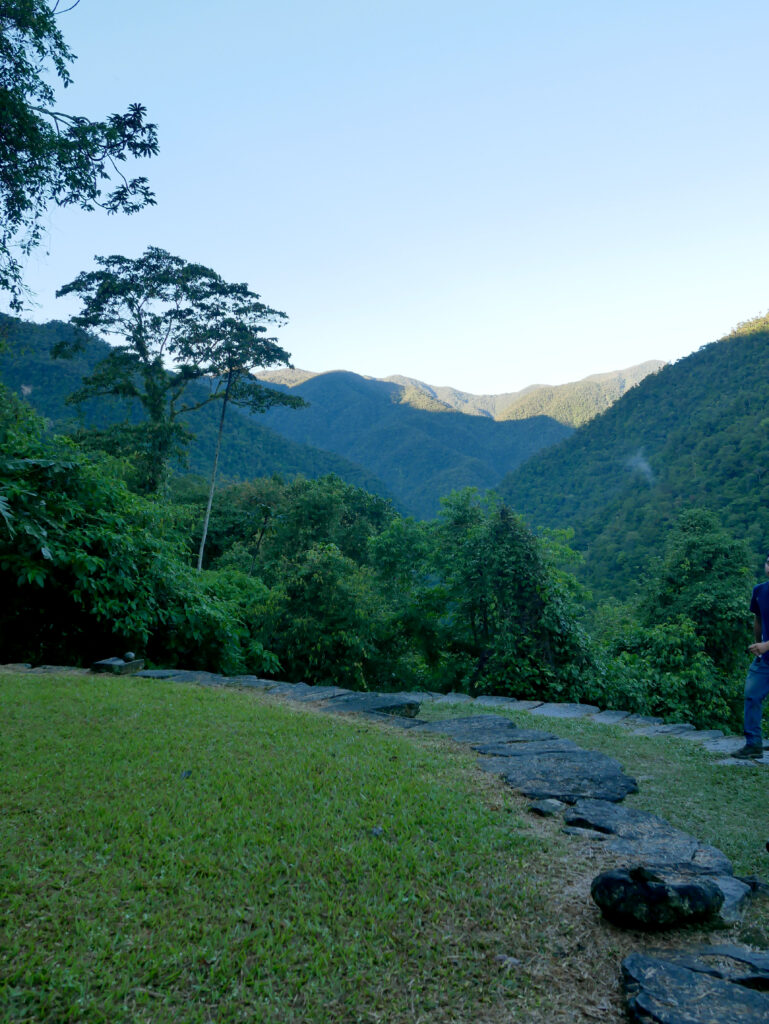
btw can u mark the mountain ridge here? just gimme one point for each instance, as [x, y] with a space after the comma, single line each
[696, 434]
[604, 388]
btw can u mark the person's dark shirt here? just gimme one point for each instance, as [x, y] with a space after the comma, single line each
[759, 605]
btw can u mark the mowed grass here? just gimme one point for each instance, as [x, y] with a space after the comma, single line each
[187, 854]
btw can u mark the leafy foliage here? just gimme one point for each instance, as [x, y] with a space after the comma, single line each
[249, 449]
[86, 566]
[46, 155]
[664, 670]
[509, 616]
[165, 310]
[694, 435]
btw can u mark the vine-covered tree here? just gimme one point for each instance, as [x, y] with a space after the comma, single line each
[177, 322]
[50, 156]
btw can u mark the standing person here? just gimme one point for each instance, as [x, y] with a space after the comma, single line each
[757, 683]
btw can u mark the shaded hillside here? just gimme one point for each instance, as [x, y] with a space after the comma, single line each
[249, 449]
[694, 434]
[578, 403]
[571, 404]
[419, 454]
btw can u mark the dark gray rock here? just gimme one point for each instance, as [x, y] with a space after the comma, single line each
[616, 820]
[527, 747]
[119, 666]
[643, 899]
[584, 833]
[648, 839]
[182, 675]
[495, 702]
[700, 735]
[732, 963]
[547, 808]
[565, 710]
[453, 698]
[396, 721]
[676, 851]
[724, 744]
[674, 729]
[485, 729]
[306, 694]
[509, 703]
[660, 991]
[565, 775]
[633, 720]
[253, 682]
[610, 717]
[377, 703]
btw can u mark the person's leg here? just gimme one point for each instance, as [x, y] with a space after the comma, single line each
[756, 690]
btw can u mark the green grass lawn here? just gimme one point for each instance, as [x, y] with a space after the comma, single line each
[176, 853]
[173, 853]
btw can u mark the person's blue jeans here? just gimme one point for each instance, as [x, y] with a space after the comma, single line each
[756, 690]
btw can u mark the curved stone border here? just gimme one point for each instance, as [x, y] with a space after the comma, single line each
[712, 740]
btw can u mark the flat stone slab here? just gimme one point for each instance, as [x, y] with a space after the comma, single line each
[633, 720]
[563, 775]
[527, 747]
[308, 694]
[565, 710]
[676, 851]
[671, 729]
[724, 744]
[547, 808]
[402, 704]
[183, 675]
[485, 729]
[628, 822]
[495, 702]
[610, 717]
[119, 666]
[660, 991]
[739, 964]
[453, 698]
[700, 735]
[253, 682]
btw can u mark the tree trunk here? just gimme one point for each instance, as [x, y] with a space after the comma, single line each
[213, 473]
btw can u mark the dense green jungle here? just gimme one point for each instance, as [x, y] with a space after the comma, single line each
[613, 567]
[693, 435]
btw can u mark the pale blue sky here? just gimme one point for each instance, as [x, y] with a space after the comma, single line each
[484, 196]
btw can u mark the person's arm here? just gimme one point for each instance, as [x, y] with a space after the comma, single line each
[759, 647]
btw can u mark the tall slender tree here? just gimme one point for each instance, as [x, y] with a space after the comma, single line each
[177, 322]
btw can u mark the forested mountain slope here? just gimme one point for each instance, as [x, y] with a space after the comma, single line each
[694, 434]
[420, 454]
[578, 403]
[570, 404]
[249, 448]
[398, 438]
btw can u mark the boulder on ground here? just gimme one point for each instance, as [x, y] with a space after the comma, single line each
[650, 901]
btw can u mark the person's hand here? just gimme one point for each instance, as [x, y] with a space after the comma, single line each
[759, 648]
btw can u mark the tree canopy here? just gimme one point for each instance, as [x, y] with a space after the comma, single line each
[48, 155]
[177, 322]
